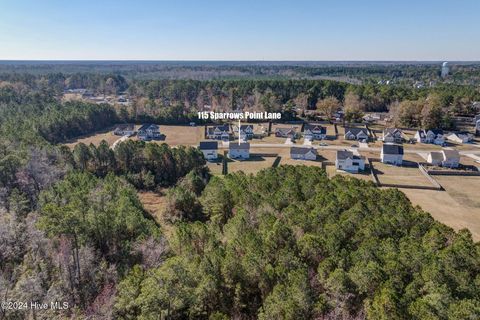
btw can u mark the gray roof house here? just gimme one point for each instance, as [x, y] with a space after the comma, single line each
[148, 132]
[209, 149]
[392, 135]
[299, 153]
[349, 161]
[356, 133]
[392, 154]
[220, 132]
[314, 132]
[239, 150]
[126, 129]
[285, 132]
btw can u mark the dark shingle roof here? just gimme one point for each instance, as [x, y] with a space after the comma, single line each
[246, 126]
[356, 131]
[125, 126]
[285, 130]
[147, 126]
[208, 145]
[345, 154]
[435, 155]
[392, 149]
[241, 146]
[391, 130]
[224, 127]
[451, 154]
[435, 131]
[311, 127]
[299, 150]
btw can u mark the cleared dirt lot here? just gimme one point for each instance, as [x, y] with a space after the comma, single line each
[388, 174]
[446, 209]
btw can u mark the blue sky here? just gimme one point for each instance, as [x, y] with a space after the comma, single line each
[240, 30]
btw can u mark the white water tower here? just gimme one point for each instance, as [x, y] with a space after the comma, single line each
[445, 69]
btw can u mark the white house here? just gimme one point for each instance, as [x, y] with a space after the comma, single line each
[245, 132]
[149, 132]
[350, 162]
[219, 132]
[392, 154]
[451, 158]
[460, 137]
[314, 132]
[209, 149]
[298, 153]
[286, 132]
[356, 134]
[434, 136]
[124, 130]
[239, 150]
[392, 135]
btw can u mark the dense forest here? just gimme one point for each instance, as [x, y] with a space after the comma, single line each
[288, 243]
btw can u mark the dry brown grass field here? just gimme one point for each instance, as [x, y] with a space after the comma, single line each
[182, 135]
[388, 174]
[154, 203]
[446, 209]
[95, 138]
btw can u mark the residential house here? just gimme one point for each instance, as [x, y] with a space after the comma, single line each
[127, 129]
[460, 137]
[149, 132]
[246, 132]
[451, 158]
[221, 132]
[392, 154]
[299, 153]
[435, 158]
[350, 162]
[239, 150]
[372, 117]
[393, 135]
[209, 149]
[434, 136]
[286, 132]
[314, 132]
[356, 134]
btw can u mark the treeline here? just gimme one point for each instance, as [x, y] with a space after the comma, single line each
[202, 70]
[30, 116]
[289, 243]
[145, 165]
[177, 98]
[57, 83]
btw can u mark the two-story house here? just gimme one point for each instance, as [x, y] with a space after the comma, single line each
[220, 132]
[350, 162]
[149, 132]
[392, 135]
[314, 132]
